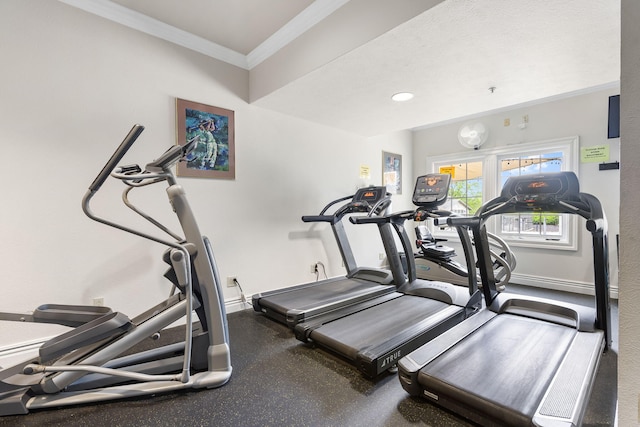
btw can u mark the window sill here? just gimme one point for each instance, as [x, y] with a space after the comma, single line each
[559, 245]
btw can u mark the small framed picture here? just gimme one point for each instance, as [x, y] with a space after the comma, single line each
[213, 129]
[392, 172]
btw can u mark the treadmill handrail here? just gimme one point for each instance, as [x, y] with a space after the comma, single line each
[581, 204]
[403, 215]
[347, 208]
[318, 218]
[335, 217]
[341, 199]
[397, 219]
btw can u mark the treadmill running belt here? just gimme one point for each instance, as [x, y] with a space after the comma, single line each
[379, 324]
[474, 372]
[326, 293]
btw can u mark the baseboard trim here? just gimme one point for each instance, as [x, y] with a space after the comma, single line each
[22, 347]
[237, 304]
[573, 286]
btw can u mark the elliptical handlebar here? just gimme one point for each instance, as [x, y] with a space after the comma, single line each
[116, 157]
[170, 157]
[156, 170]
[133, 176]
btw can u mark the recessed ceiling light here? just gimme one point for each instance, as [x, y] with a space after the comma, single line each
[402, 96]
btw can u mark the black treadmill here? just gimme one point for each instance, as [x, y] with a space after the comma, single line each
[523, 360]
[375, 335]
[299, 303]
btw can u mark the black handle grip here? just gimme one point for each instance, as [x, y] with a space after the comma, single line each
[394, 217]
[464, 221]
[317, 218]
[369, 219]
[128, 141]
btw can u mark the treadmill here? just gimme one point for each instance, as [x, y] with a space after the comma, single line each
[299, 303]
[375, 335]
[523, 360]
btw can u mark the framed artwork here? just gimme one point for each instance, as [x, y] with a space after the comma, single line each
[392, 172]
[213, 130]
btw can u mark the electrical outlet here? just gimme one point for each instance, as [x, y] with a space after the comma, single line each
[98, 302]
[313, 268]
[381, 256]
[231, 281]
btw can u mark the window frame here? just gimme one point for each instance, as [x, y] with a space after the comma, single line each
[491, 186]
[477, 159]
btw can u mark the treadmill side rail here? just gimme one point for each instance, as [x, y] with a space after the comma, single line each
[302, 330]
[410, 365]
[566, 399]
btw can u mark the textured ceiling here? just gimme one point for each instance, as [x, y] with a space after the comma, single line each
[448, 53]
[452, 54]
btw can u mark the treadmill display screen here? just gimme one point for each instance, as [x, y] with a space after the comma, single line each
[431, 189]
[550, 186]
[370, 194]
[539, 191]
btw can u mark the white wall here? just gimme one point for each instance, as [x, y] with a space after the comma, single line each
[628, 366]
[72, 86]
[583, 115]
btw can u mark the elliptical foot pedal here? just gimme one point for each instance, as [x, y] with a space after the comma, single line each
[107, 326]
[68, 315]
[14, 402]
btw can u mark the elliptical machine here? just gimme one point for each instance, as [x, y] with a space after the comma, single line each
[435, 261]
[85, 364]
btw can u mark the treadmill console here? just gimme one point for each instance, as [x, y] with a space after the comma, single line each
[539, 190]
[431, 190]
[365, 198]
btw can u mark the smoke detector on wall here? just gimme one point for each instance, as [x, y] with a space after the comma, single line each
[473, 135]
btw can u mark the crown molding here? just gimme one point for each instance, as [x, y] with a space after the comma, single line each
[293, 29]
[138, 21]
[306, 19]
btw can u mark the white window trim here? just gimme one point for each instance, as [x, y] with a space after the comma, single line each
[491, 185]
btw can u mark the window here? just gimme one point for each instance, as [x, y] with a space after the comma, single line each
[465, 192]
[477, 179]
